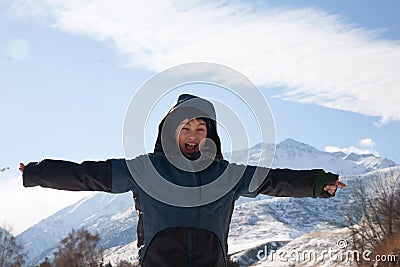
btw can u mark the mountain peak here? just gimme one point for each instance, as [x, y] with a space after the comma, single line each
[292, 144]
[290, 140]
[294, 154]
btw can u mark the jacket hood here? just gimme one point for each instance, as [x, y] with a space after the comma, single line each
[188, 107]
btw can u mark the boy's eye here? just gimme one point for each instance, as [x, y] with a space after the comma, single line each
[201, 129]
[185, 128]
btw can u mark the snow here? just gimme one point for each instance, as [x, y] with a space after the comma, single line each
[116, 254]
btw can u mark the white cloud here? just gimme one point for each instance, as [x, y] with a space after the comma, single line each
[367, 143]
[319, 58]
[365, 146]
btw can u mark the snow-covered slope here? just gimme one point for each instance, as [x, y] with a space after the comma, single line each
[112, 216]
[320, 248]
[260, 221]
[4, 232]
[298, 226]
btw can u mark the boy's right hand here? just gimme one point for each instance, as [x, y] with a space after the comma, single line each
[21, 167]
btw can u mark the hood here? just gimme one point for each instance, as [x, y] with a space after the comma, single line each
[187, 107]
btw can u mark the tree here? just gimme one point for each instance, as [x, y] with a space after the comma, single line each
[79, 249]
[46, 263]
[374, 217]
[11, 251]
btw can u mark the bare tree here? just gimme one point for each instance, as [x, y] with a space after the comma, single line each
[79, 249]
[45, 263]
[374, 215]
[11, 251]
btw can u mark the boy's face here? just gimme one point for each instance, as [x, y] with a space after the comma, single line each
[191, 135]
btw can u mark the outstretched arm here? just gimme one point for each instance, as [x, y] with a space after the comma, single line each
[65, 175]
[289, 183]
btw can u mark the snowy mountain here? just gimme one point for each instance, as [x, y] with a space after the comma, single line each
[296, 155]
[4, 232]
[255, 222]
[112, 216]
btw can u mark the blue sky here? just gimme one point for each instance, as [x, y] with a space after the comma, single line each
[329, 70]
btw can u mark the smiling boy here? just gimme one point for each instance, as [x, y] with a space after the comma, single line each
[177, 235]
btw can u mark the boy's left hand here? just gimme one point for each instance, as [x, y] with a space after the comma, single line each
[331, 188]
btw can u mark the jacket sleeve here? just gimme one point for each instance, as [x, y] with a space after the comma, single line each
[108, 176]
[66, 175]
[285, 182]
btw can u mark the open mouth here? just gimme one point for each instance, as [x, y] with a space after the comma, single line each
[191, 146]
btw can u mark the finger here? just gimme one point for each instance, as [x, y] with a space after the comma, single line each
[330, 187]
[340, 184]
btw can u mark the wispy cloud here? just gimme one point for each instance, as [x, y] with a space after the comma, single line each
[364, 146]
[316, 57]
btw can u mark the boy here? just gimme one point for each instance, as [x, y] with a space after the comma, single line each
[187, 153]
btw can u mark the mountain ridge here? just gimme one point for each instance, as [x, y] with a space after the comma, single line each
[297, 155]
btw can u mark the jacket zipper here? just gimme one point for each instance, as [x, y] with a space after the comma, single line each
[198, 178]
[190, 260]
[189, 247]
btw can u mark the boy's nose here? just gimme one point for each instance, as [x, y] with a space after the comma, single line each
[191, 135]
